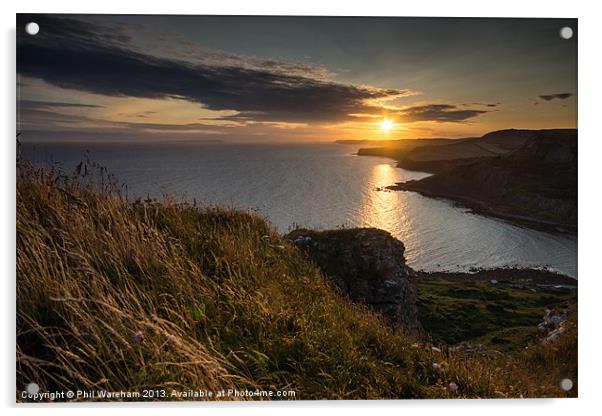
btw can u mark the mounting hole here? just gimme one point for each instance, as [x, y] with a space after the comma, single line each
[32, 28]
[32, 388]
[566, 32]
[566, 384]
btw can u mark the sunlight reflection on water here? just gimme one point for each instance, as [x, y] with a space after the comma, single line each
[380, 208]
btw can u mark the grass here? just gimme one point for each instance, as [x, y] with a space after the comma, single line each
[116, 295]
[499, 316]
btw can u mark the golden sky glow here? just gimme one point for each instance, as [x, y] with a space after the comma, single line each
[253, 82]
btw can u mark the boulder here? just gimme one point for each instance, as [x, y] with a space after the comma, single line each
[467, 347]
[553, 325]
[368, 265]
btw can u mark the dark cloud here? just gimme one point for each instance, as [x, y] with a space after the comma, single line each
[440, 113]
[561, 96]
[48, 113]
[33, 104]
[47, 118]
[70, 53]
[34, 114]
[490, 105]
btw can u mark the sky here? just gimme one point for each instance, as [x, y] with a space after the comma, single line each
[290, 79]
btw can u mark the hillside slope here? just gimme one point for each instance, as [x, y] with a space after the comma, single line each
[491, 144]
[113, 295]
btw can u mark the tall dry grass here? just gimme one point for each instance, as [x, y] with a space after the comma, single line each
[90, 276]
[117, 295]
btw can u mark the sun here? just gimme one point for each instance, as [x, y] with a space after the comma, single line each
[386, 125]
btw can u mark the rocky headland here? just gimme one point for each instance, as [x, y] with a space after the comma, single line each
[528, 177]
[368, 265]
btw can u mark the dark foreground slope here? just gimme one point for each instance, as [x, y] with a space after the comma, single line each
[171, 297]
[535, 185]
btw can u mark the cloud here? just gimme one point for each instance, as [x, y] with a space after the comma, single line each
[47, 115]
[441, 113]
[490, 105]
[73, 54]
[33, 104]
[560, 96]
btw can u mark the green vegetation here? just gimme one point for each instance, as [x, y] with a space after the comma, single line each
[500, 316]
[165, 295]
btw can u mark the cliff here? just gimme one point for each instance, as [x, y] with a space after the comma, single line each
[535, 185]
[368, 265]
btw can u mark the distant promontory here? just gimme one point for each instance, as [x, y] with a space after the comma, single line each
[528, 177]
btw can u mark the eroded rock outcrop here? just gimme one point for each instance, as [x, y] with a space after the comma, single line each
[369, 266]
[553, 325]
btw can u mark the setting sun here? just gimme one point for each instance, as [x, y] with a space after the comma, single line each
[386, 125]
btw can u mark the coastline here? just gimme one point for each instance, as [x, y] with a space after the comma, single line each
[481, 208]
[433, 188]
[526, 277]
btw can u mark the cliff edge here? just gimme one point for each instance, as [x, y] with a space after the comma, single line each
[368, 265]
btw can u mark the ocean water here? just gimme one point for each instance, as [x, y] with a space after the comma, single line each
[321, 186]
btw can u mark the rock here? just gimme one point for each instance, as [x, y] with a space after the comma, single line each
[554, 335]
[468, 348]
[553, 325]
[555, 321]
[368, 265]
[493, 282]
[554, 318]
[302, 240]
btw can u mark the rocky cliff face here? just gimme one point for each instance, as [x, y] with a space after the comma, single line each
[369, 266]
[556, 148]
[535, 185]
